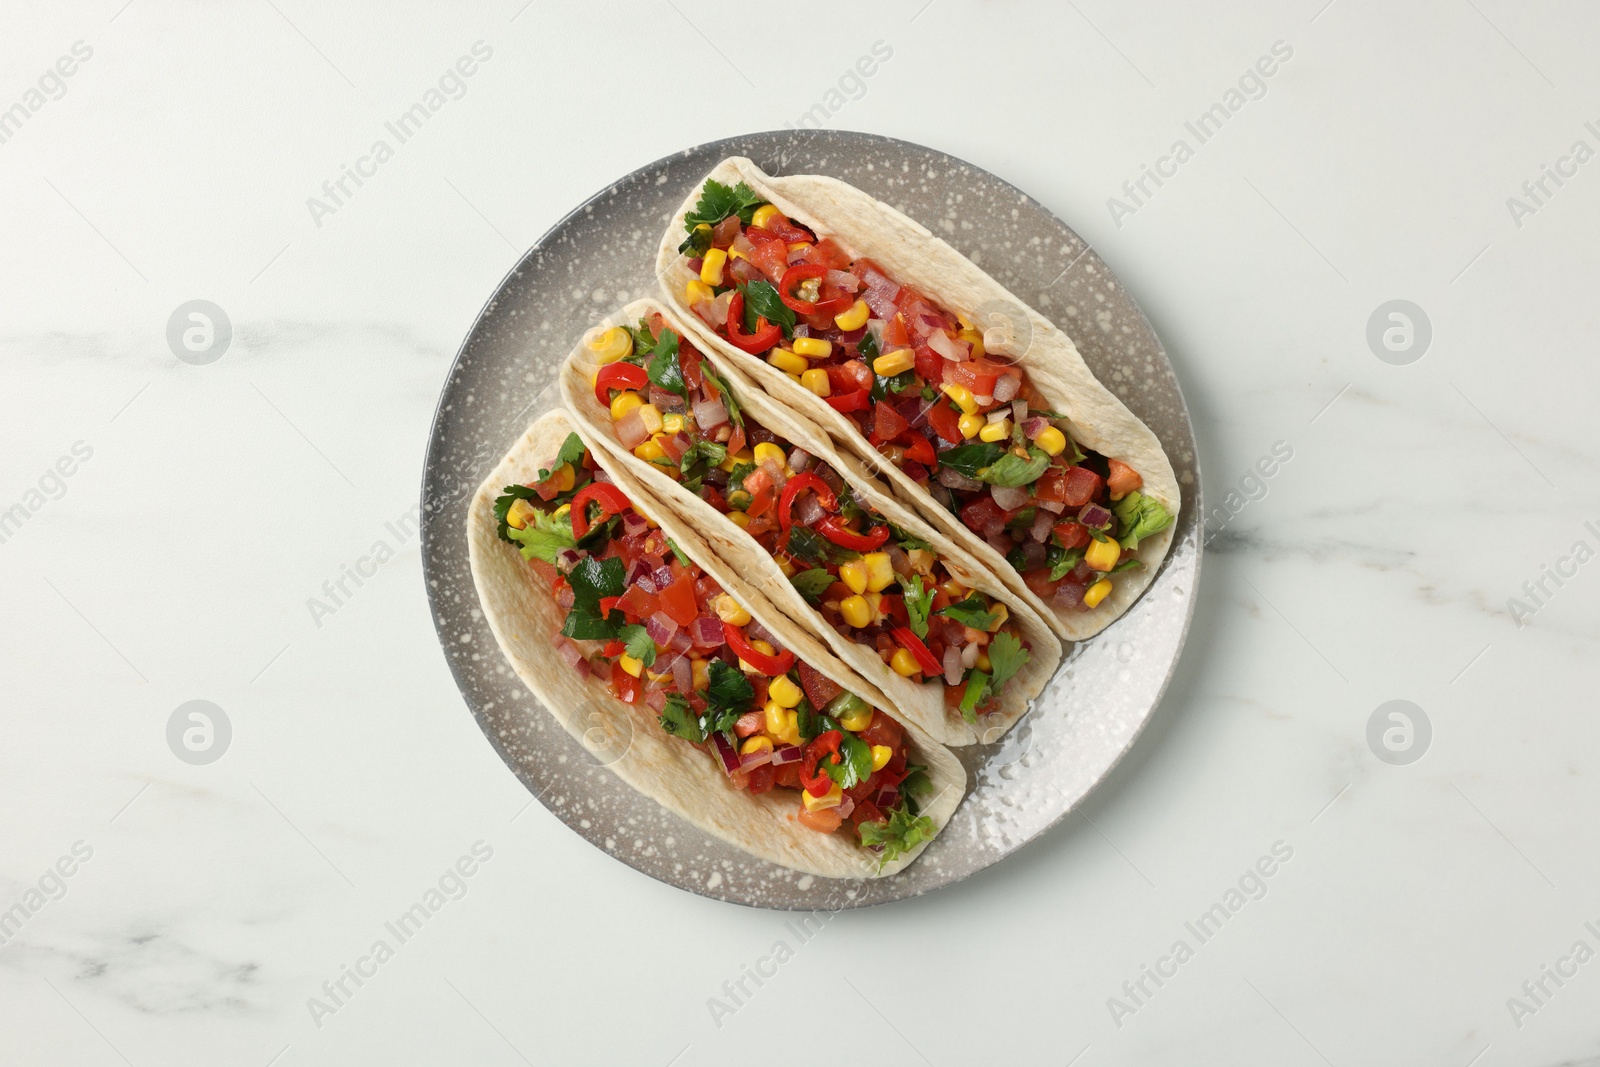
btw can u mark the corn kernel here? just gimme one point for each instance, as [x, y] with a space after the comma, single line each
[764, 648]
[565, 477]
[786, 565]
[787, 361]
[983, 663]
[697, 291]
[854, 574]
[699, 673]
[764, 214]
[1102, 555]
[672, 424]
[767, 450]
[785, 692]
[1052, 440]
[973, 338]
[625, 402]
[856, 611]
[970, 425]
[830, 799]
[903, 663]
[953, 589]
[608, 346]
[711, 266]
[795, 378]
[962, 397]
[736, 458]
[520, 513]
[880, 572]
[650, 451]
[857, 720]
[881, 755]
[813, 347]
[1001, 613]
[652, 418]
[791, 728]
[854, 317]
[817, 382]
[731, 611]
[739, 519]
[772, 717]
[755, 744]
[800, 246]
[897, 362]
[995, 432]
[1097, 592]
[631, 665]
[564, 509]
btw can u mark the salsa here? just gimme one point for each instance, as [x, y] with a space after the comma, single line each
[870, 581]
[650, 627]
[916, 382]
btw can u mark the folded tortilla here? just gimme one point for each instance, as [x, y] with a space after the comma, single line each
[866, 227]
[755, 574]
[677, 775]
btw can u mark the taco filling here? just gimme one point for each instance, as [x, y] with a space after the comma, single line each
[870, 581]
[650, 627]
[916, 382]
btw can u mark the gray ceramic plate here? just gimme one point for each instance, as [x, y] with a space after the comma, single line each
[599, 258]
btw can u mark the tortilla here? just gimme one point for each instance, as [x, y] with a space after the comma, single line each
[678, 776]
[866, 227]
[754, 574]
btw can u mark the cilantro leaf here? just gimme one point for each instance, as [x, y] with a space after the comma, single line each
[919, 602]
[868, 346]
[664, 369]
[969, 459]
[678, 719]
[811, 547]
[698, 243]
[728, 687]
[812, 583]
[916, 781]
[545, 537]
[1141, 516]
[977, 685]
[1012, 471]
[729, 401]
[897, 835]
[503, 502]
[1126, 565]
[572, 450]
[710, 451]
[1006, 658]
[807, 722]
[718, 201]
[972, 611]
[855, 763]
[591, 580]
[1065, 563]
[907, 541]
[640, 645]
[761, 298]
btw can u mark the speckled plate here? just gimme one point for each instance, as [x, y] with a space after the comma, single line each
[600, 257]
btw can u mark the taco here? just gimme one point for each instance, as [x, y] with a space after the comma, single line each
[972, 406]
[616, 617]
[803, 525]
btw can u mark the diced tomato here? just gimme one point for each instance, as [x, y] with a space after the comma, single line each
[882, 731]
[1040, 584]
[825, 821]
[638, 604]
[893, 605]
[787, 776]
[1081, 486]
[837, 591]
[1072, 534]
[850, 376]
[865, 811]
[945, 420]
[689, 360]
[749, 723]
[981, 513]
[1122, 479]
[978, 375]
[920, 450]
[761, 779]
[626, 685]
[547, 573]
[828, 253]
[758, 483]
[818, 687]
[788, 231]
[770, 254]
[887, 423]
[1051, 485]
[858, 400]
[677, 600]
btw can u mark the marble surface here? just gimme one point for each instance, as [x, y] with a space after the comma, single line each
[187, 526]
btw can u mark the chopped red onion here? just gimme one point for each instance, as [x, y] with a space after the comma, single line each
[899, 562]
[662, 577]
[742, 245]
[997, 539]
[802, 330]
[969, 654]
[847, 337]
[1054, 507]
[880, 294]
[1032, 428]
[708, 415]
[696, 263]
[1019, 408]
[949, 347]
[942, 493]
[886, 797]
[661, 628]
[808, 511]
[1067, 595]
[952, 665]
[570, 653]
[723, 233]
[680, 642]
[719, 306]
[668, 403]
[582, 668]
[998, 415]
[774, 471]
[683, 674]
[799, 460]
[638, 568]
[1042, 521]
[569, 558]
[787, 754]
[600, 475]
[655, 699]
[707, 632]
[755, 759]
[1006, 387]
[631, 431]
[843, 279]
[846, 806]
[954, 479]
[725, 753]
[756, 632]
[708, 314]
[1009, 498]
[634, 523]
[1094, 515]
[1034, 554]
[798, 255]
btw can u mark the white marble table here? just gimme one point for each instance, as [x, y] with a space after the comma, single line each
[179, 531]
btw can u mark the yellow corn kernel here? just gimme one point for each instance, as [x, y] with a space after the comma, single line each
[983, 663]
[994, 432]
[800, 246]
[880, 572]
[795, 378]
[785, 692]
[772, 717]
[699, 673]
[755, 744]
[767, 450]
[672, 424]
[763, 215]
[631, 665]
[854, 317]
[564, 509]
[857, 721]
[786, 565]
[564, 477]
[903, 663]
[739, 519]
[791, 728]
[1102, 555]
[897, 362]
[856, 611]
[1097, 592]
[813, 347]
[1001, 613]
[830, 799]
[970, 425]
[962, 397]
[735, 458]
[764, 648]
[817, 382]
[787, 361]
[652, 418]
[854, 574]
[711, 267]
[625, 402]
[1052, 440]
[881, 755]
[650, 451]
[953, 589]
[520, 513]
[731, 611]
[696, 291]
[973, 338]
[706, 226]
[608, 346]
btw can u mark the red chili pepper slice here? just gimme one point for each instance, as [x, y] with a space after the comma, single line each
[834, 529]
[608, 496]
[799, 273]
[618, 376]
[766, 335]
[826, 743]
[792, 489]
[607, 604]
[771, 666]
[920, 450]
[918, 650]
[855, 401]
